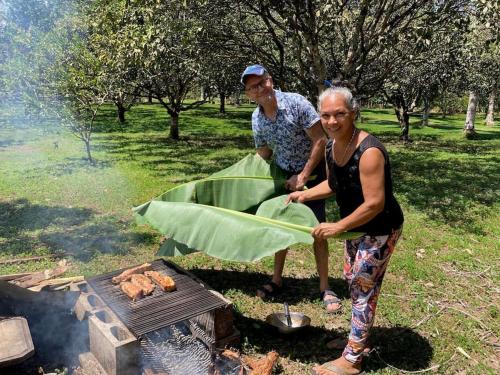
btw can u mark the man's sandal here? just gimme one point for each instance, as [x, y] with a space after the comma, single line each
[334, 369]
[330, 301]
[272, 289]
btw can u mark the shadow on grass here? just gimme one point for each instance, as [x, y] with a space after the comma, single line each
[186, 156]
[68, 167]
[4, 143]
[26, 227]
[399, 346]
[154, 117]
[294, 290]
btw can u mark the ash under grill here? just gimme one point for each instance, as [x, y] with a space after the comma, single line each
[192, 356]
[161, 309]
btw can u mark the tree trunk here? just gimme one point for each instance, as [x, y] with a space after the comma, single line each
[490, 116]
[121, 112]
[469, 130]
[237, 98]
[150, 98]
[425, 115]
[222, 98]
[174, 125]
[404, 123]
[443, 105]
[87, 148]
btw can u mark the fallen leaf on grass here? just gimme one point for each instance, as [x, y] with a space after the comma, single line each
[420, 253]
[461, 351]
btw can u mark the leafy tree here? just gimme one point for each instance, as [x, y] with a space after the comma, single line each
[482, 49]
[224, 60]
[305, 42]
[52, 66]
[433, 58]
[107, 19]
[165, 41]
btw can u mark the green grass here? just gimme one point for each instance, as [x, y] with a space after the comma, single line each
[441, 288]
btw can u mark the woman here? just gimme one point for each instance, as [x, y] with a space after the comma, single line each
[359, 175]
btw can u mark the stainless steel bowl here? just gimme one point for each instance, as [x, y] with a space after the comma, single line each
[278, 320]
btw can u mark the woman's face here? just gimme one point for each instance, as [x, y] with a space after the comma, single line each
[336, 118]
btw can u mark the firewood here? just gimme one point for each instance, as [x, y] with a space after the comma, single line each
[263, 366]
[29, 259]
[56, 282]
[231, 354]
[14, 276]
[37, 277]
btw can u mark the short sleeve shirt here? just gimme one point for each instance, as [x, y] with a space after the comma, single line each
[286, 136]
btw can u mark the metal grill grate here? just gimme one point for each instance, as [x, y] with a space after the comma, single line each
[160, 309]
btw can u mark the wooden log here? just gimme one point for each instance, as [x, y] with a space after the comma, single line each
[37, 277]
[14, 276]
[56, 282]
[22, 260]
[263, 366]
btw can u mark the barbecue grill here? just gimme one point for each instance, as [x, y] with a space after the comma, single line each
[164, 332]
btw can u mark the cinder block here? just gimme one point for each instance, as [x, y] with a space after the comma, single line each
[89, 365]
[112, 344]
[87, 302]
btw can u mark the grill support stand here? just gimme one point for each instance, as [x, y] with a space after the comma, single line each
[117, 351]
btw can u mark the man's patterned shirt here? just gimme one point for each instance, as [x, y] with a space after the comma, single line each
[287, 135]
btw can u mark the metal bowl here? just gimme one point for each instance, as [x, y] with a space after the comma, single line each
[278, 320]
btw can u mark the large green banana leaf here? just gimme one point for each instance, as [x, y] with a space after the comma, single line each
[228, 234]
[241, 187]
[212, 214]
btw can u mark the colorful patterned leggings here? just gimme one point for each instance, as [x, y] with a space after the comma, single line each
[365, 262]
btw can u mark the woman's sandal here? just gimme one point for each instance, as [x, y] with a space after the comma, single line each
[272, 292]
[334, 369]
[330, 301]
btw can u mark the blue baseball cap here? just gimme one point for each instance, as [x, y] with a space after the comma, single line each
[253, 70]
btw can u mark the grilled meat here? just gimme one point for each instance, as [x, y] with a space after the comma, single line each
[143, 282]
[132, 291]
[166, 283]
[127, 274]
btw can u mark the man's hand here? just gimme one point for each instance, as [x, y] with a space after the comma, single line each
[296, 182]
[326, 230]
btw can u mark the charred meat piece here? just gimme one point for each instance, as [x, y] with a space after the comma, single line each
[127, 274]
[166, 283]
[132, 291]
[143, 282]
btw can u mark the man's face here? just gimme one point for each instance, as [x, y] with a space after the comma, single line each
[259, 88]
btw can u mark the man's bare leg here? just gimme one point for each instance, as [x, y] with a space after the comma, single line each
[279, 264]
[321, 255]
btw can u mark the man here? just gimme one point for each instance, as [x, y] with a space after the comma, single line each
[287, 128]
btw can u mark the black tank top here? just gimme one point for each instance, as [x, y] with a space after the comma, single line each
[346, 183]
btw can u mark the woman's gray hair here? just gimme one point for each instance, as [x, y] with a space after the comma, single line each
[349, 99]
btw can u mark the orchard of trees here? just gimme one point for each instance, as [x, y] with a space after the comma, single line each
[65, 58]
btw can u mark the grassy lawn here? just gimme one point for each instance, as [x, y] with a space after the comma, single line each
[440, 300]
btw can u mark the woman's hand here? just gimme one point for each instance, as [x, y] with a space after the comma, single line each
[296, 196]
[326, 230]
